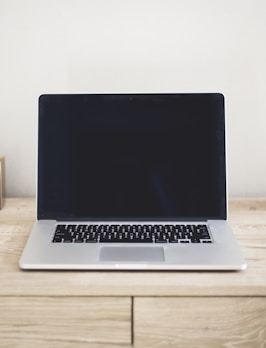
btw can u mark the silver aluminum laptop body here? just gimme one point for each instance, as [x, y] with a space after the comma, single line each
[139, 160]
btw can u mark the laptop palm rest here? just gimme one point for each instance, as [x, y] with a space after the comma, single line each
[129, 254]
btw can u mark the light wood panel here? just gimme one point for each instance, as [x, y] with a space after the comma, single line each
[200, 322]
[65, 322]
[2, 182]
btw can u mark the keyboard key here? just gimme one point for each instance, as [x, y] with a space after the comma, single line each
[195, 240]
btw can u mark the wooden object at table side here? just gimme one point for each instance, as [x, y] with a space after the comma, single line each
[133, 309]
[2, 182]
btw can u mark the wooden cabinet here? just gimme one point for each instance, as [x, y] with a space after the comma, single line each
[133, 309]
[28, 321]
[200, 322]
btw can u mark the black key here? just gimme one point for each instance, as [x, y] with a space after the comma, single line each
[160, 241]
[172, 240]
[146, 240]
[57, 239]
[68, 240]
[91, 240]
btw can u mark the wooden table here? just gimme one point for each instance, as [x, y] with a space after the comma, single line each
[140, 309]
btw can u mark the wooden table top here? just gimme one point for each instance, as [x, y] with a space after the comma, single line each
[246, 216]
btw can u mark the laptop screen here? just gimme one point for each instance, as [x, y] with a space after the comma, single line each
[131, 156]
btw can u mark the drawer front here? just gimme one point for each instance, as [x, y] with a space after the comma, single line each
[200, 322]
[65, 322]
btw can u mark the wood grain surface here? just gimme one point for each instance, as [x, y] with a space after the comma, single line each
[247, 218]
[208, 322]
[133, 309]
[57, 321]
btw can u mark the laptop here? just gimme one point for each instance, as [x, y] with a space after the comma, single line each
[132, 182]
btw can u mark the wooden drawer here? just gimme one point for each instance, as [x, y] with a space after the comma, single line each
[65, 322]
[200, 322]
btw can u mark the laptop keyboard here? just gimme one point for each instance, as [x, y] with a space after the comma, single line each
[92, 233]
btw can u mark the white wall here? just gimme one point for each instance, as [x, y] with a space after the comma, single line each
[85, 46]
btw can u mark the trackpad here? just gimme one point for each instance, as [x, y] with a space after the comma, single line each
[132, 254]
